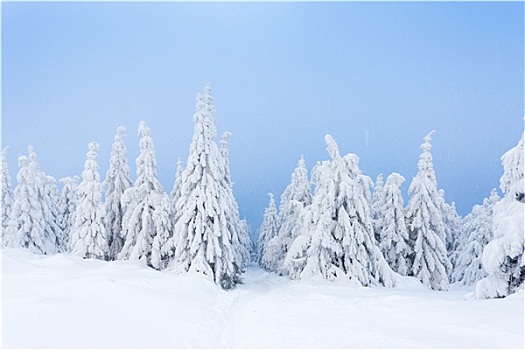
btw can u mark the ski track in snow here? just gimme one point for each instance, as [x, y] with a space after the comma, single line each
[62, 301]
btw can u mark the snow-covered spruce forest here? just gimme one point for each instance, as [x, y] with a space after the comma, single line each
[334, 224]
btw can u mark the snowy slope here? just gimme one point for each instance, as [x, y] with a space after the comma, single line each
[62, 301]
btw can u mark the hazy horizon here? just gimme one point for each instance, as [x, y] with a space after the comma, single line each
[376, 76]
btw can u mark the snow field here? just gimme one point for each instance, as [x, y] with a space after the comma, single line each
[63, 301]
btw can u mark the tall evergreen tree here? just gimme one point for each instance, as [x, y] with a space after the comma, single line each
[425, 224]
[51, 196]
[175, 192]
[67, 204]
[376, 203]
[454, 234]
[478, 226]
[393, 233]
[249, 243]
[240, 236]
[146, 161]
[116, 183]
[26, 224]
[204, 243]
[295, 197]
[7, 195]
[339, 238]
[45, 188]
[162, 219]
[503, 256]
[268, 230]
[34, 224]
[140, 202]
[297, 256]
[88, 233]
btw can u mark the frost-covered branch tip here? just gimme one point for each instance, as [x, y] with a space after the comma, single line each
[426, 146]
[144, 130]
[331, 146]
[32, 153]
[121, 132]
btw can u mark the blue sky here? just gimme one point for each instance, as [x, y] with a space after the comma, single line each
[377, 76]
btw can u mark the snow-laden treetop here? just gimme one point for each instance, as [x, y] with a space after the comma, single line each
[32, 153]
[427, 146]
[90, 172]
[23, 161]
[205, 111]
[121, 132]
[395, 179]
[331, 147]
[144, 130]
[425, 161]
[93, 148]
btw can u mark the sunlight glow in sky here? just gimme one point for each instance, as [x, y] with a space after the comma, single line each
[377, 76]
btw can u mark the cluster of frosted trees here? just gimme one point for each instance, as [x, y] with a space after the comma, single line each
[341, 230]
[196, 228]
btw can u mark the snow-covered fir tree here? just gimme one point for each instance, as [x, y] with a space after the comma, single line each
[51, 196]
[7, 195]
[425, 224]
[146, 162]
[296, 258]
[225, 154]
[455, 239]
[295, 197]
[338, 239]
[268, 254]
[358, 241]
[240, 236]
[67, 204]
[392, 232]
[117, 181]
[45, 187]
[246, 245]
[139, 203]
[203, 241]
[162, 219]
[26, 223]
[88, 233]
[469, 255]
[452, 222]
[478, 226]
[249, 243]
[503, 256]
[376, 203]
[175, 192]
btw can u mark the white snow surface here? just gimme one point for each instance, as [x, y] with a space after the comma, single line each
[63, 301]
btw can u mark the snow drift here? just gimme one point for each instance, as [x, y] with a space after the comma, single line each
[64, 301]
